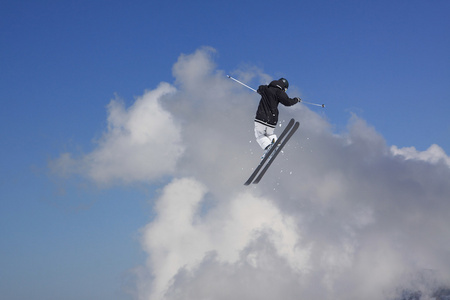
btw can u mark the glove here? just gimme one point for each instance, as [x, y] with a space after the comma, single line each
[298, 99]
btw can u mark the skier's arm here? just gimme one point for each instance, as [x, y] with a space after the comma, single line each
[285, 100]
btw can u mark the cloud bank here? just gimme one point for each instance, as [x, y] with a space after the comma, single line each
[142, 143]
[338, 216]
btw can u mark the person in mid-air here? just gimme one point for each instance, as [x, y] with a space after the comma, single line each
[267, 114]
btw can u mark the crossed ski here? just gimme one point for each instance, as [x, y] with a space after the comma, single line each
[270, 156]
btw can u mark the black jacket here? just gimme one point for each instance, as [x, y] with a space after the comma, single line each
[271, 95]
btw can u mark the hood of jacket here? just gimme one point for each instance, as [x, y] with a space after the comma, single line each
[278, 84]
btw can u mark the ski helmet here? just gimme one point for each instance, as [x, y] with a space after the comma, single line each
[285, 82]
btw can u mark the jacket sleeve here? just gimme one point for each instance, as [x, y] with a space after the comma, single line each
[260, 89]
[285, 100]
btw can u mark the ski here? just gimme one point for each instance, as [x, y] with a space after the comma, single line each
[278, 150]
[269, 154]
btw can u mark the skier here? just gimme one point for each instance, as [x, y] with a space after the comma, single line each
[267, 114]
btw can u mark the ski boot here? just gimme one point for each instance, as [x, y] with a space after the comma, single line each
[267, 149]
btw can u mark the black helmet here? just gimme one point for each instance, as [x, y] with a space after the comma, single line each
[285, 82]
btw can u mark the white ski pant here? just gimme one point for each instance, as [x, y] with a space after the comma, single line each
[264, 135]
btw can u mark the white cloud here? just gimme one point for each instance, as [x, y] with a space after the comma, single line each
[142, 143]
[434, 154]
[181, 236]
[338, 216]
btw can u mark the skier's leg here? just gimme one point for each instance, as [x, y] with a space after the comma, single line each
[264, 135]
[260, 134]
[270, 134]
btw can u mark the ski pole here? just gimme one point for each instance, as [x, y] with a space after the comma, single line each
[241, 83]
[320, 105]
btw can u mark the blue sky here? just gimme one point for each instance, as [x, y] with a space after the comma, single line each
[62, 62]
